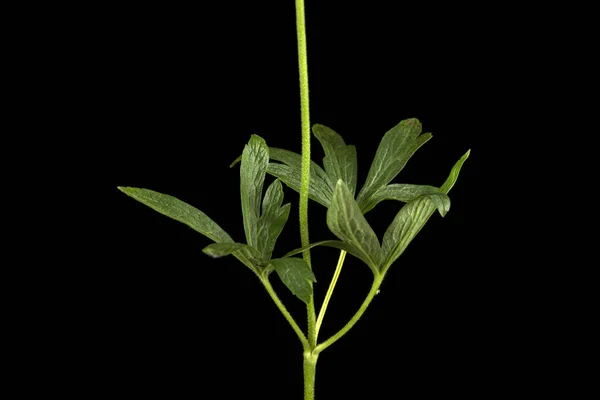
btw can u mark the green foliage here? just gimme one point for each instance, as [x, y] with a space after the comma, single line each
[333, 186]
[339, 160]
[179, 211]
[347, 222]
[273, 219]
[396, 148]
[296, 275]
[403, 192]
[290, 172]
[255, 159]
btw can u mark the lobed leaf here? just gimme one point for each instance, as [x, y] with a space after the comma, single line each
[294, 160]
[347, 222]
[272, 219]
[340, 160]
[296, 275]
[396, 148]
[318, 190]
[255, 160]
[413, 216]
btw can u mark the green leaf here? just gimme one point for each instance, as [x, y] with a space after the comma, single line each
[412, 217]
[183, 212]
[335, 244]
[294, 160]
[347, 222]
[179, 211]
[408, 222]
[396, 148]
[296, 275]
[272, 220]
[405, 193]
[237, 160]
[340, 160]
[217, 250]
[317, 189]
[255, 160]
[454, 173]
[248, 255]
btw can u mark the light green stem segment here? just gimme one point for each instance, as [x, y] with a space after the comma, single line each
[310, 369]
[305, 119]
[334, 280]
[284, 311]
[374, 289]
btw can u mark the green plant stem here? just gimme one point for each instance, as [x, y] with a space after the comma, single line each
[305, 119]
[286, 314]
[374, 288]
[336, 275]
[310, 369]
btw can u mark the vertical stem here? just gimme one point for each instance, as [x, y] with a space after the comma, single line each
[310, 369]
[305, 119]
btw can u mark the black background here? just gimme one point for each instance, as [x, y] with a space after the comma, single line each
[170, 94]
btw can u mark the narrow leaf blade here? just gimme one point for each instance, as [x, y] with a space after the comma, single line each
[340, 160]
[255, 160]
[408, 222]
[296, 275]
[347, 222]
[396, 148]
[454, 173]
[248, 255]
[216, 250]
[406, 192]
[179, 211]
[412, 217]
[272, 220]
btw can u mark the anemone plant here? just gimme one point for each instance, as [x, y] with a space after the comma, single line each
[333, 185]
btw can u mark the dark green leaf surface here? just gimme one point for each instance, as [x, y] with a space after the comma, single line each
[405, 193]
[179, 211]
[222, 249]
[255, 160]
[296, 275]
[335, 244]
[272, 219]
[396, 148]
[340, 160]
[317, 190]
[412, 217]
[408, 222]
[294, 160]
[347, 222]
[248, 255]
